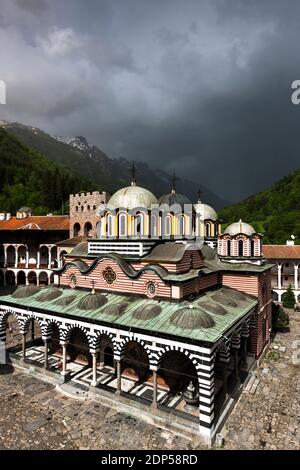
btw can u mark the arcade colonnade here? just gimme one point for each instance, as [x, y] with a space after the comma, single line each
[206, 361]
[23, 265]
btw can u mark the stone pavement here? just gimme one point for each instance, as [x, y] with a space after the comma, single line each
[33, 415]
[267, 416]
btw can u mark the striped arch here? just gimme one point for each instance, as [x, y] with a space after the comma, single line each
[4, 316]
[187, 353]
[121, 347]
[245, 331]
[64, 334]
[95, 340]
[47, 333]
[26, 321]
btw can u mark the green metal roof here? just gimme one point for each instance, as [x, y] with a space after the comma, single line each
[235, 310]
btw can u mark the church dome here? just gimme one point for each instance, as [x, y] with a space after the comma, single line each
[174, 198]
[239, 227]
[190, 317]
[132, 197]
[205, 211]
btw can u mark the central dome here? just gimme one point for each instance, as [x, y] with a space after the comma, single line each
[132, 197]
[174, 198]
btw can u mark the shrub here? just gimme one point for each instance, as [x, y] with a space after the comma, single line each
[280, 319]
[289, 298]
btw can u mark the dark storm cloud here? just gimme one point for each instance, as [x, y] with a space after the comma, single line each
[202, 87]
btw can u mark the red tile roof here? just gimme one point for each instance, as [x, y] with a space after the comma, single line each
[281, 251]
[43, 222]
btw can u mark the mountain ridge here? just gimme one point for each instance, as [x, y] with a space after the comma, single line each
[107, 173]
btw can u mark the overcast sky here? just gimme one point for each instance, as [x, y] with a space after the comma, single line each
[202, 87]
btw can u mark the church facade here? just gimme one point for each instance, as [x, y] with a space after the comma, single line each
[154, 308]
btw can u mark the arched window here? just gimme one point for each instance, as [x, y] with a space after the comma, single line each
[168, 226]
[122, 225]
[181, 225]
[138, 225]
[76, 229]
[76, 208]
[109, 226]
[98, 229]
[154, 225]
[241, 248]
[81, 208]
[88, 229]
[252, 247]
[207, 229]
[228, 247]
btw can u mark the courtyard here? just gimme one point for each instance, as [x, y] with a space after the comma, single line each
[34, 415]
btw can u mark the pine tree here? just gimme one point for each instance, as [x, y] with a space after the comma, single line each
[289, 298]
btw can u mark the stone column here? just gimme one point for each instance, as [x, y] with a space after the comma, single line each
[49, 257]
[245, 351]
[94, 357]
[119, 383]
[279, 266]
[38, 258]
[64, 358]
[46, 353]
[236, 365]
[23, 346]
[16, 256]
[154, 402]
[5, 256]
[27, 258]
[296, 276]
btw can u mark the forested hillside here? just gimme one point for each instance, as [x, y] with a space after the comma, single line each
[274, 212]
[27, 178]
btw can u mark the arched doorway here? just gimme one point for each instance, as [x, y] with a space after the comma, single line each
[1, 278]
[87, 229]
[44, 257]
[1, 255]
[176, 371]
[108, 357]
[78, 348]
[54, 345]
[34, 333]
[43, 278]
[10, 278]
[61, 258]
[135, 361]
[11, 256]
[32, 278]
[76, 229]
[21, 256]
[13, 335]
[53, 254]
[21, 278]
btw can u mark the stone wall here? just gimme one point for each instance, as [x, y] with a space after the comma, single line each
[83, 212]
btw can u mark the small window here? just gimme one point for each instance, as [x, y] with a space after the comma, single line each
[81, 208]
[88, 208]
[76, 208]
[151, 289]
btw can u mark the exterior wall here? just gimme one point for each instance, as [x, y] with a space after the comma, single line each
[200, 284]
[122, 284]
[83, 207]
[285, 272]
[258, 285]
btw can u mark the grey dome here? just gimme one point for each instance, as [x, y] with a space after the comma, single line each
[65, 301]
[25, 291]
[190, 317]
[147, 312]
[174, 198]
[116, 309]
[49, 294]
[92, 301]
[132, 197]
[80, 249]
[211, 307]
[205, 211]
[239, 227]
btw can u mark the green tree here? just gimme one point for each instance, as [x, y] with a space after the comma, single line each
[280, 319]
[289, 298]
